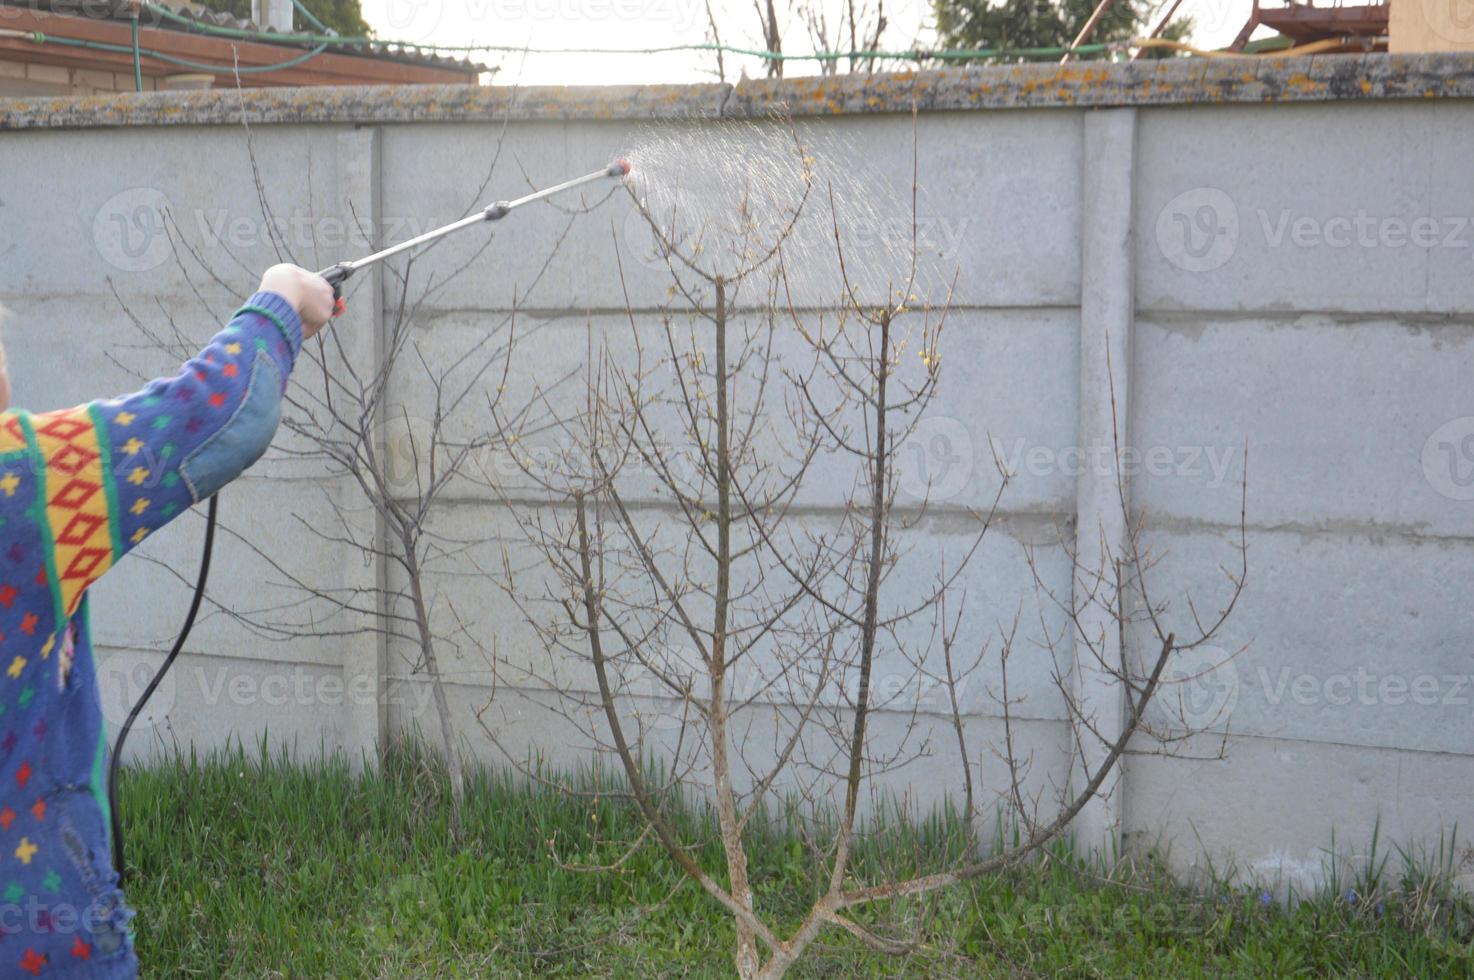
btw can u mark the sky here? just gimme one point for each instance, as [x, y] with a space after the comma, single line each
[626, 24]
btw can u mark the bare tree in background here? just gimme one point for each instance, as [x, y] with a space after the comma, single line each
[857, 29]
[706, 626]
[772, 34]
[848, 30]
[346, 410]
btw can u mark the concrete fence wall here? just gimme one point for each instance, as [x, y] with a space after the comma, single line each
[1202, 258]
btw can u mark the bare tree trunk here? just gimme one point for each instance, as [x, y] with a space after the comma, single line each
[746, 953]
[772, 37]
[437, 684]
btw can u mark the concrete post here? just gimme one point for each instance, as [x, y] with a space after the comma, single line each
[275, 14]
[1107, 311]
[361, 331]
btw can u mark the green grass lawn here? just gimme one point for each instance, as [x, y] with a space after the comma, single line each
[245, 867]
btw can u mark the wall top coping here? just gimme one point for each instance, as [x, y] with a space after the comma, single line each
[1167, 82]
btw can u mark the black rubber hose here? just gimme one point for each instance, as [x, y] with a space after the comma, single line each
[194, 610]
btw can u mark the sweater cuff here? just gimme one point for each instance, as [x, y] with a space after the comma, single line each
[275, 308]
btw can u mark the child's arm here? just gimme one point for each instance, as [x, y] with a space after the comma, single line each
[116, 471]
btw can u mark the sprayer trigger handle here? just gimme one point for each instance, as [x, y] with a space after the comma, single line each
[336, 276]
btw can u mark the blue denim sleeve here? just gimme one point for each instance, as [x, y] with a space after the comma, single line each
[181, 439]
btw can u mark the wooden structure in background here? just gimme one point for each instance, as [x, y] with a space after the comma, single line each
[1363, 27]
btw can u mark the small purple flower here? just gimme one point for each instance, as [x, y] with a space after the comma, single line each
[1265, 899]
[1379, 909]
[1351, 896]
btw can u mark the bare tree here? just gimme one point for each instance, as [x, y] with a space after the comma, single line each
[857, 30]
[717, 632]
[352, 423]
[772, 34]
[847, 32]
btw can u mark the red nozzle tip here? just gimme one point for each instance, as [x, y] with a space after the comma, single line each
[620, 167]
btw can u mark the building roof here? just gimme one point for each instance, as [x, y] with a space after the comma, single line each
[387, 50]
[108, 21]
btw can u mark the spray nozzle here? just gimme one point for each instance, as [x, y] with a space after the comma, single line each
[619, 168]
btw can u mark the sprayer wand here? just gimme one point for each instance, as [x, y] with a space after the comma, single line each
[338, 274]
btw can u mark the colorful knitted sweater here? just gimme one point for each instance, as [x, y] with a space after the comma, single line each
[78, 489]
